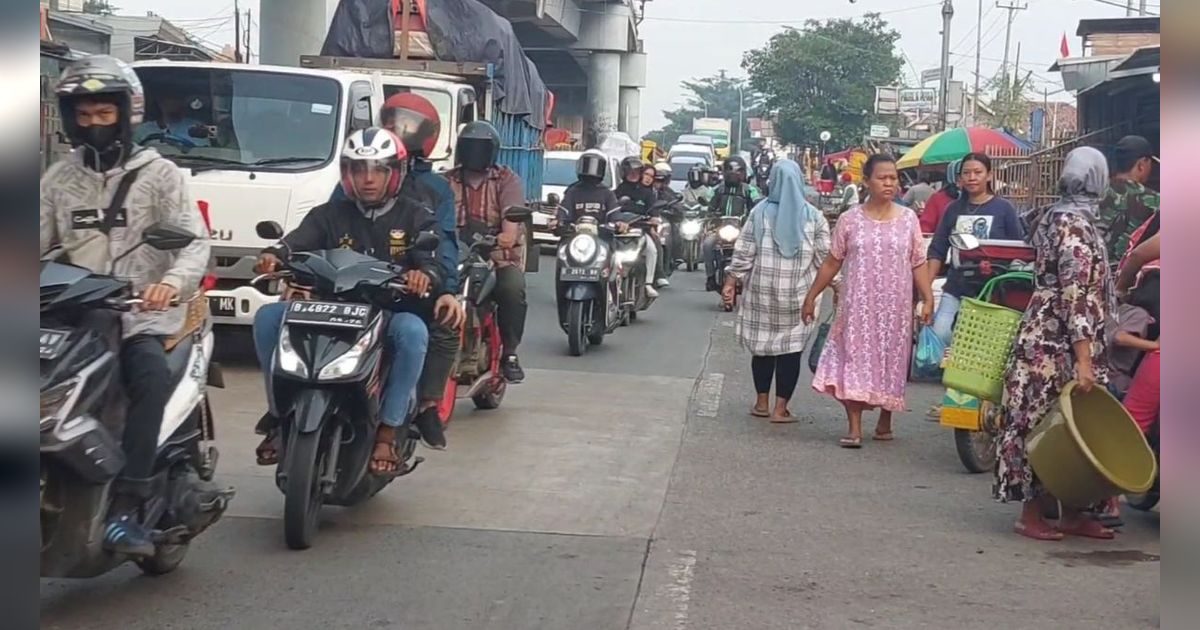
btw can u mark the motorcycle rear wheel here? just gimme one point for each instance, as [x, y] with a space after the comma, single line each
[491, 397]
[166, 559]
[302, 494]
[576, 340]
[976, 450]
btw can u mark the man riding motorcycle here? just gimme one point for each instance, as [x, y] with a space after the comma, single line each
[663, 193]
[642, 199]
[482, 192]
[378, 221]
[100, 101]
[697, 192]
[734, 198]
[588, 195]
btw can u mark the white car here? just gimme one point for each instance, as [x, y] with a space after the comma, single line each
[694, 151]
[558, 172]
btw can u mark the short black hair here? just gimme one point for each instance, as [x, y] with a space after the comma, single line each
[877, 158]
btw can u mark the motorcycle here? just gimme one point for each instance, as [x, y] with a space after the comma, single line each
[728, 229]
[588, 284]
[325, 381]
[691, 229]
[81, 410]
[762, 173]
[631, 265]
[480, 347]
[976, 422]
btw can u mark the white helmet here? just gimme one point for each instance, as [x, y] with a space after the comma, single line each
[374, 148]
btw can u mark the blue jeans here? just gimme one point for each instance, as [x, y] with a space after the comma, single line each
[943, 318]
[407, 337]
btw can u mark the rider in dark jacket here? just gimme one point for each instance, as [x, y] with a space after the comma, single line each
[588, 195]
[733, 198]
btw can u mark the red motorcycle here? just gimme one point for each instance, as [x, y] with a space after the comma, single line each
[480, 347]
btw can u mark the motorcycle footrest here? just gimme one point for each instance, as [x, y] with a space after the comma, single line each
[173, 535]
[411, 466]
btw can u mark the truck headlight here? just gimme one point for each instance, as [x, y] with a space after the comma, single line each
[729, 232]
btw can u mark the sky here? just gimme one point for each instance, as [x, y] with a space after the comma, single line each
[696, 38]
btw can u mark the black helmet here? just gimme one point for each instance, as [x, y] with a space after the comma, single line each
[697, 176]
[478, 146]
[104, 79]
[591, 164]
[632, 164]
[734, 169]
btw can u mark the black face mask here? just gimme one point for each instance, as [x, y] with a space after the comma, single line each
[475, 155]
[100, 137]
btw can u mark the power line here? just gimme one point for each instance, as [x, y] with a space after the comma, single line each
[1120, 6]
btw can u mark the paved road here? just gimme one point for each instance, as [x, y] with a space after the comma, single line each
[629, 489]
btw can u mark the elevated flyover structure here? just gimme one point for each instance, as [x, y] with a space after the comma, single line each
[587, 51]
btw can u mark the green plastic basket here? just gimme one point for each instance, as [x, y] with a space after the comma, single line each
[983, 338]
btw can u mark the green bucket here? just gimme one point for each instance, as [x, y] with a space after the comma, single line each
[983, 339]
[1088, 449]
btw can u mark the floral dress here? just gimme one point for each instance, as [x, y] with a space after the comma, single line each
[865, 358]
[1072, 298]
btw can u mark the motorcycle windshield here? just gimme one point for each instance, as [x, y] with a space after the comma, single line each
[338, 271]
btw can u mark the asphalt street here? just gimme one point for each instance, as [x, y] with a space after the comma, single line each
[630, 488]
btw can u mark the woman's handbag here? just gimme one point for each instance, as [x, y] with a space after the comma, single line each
[814, 355]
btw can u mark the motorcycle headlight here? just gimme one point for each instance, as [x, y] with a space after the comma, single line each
[55, 400]
[288, 360]
[582, 248]
[346, 364]
[690, 228]
[729, 232]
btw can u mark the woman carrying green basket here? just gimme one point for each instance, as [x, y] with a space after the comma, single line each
[1061, 338]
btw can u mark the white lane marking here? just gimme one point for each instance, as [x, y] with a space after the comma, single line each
[708, 395]
[680, 588]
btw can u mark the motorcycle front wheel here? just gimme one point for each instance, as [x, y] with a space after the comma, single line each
[976, 449]
[576, 339]
[302, 494]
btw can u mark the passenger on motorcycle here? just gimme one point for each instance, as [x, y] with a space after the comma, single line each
[697, 192]
[662, 183]
[377, 220]
[482, 191]
[734, 198]
[100, 102]
[641, 201]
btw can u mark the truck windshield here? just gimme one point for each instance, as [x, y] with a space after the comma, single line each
[720, 138]
[442, 102]
[234, 118]
[559, 172]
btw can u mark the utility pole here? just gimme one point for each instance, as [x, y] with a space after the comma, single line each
[249, 22]
[978, 51]
[741, 116]
[1142, 7]
[237, 33]
[1129, 8]
[944, 80]
[1012, 8]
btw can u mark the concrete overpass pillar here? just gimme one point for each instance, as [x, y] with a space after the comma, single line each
[630, 118]
[604, 88]
[290, 28]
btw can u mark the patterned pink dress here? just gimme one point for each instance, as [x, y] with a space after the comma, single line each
[865, 358]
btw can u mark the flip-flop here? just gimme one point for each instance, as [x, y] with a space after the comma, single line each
[1088, 528]
[1048, 534]
[850, 442]
[759, 414]
[788, 419]
[883, 437]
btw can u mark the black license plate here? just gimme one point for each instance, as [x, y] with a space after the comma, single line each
[335, 314]
[579, 273]
[222, 306]
[50, 343]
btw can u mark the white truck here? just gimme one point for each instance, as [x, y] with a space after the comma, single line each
[263, 143]
[719, 129]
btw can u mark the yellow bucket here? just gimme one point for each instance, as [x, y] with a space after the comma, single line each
[1088, 449]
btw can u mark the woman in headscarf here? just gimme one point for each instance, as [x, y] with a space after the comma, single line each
[776, 258]
[1062, 337]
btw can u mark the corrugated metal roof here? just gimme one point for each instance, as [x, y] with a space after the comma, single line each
[1138, 24]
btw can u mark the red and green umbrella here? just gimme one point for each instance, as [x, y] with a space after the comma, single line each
[952, 144]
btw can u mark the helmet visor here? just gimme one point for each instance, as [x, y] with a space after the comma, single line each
[591, 166]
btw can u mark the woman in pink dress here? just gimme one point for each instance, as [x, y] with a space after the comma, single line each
[879, 246]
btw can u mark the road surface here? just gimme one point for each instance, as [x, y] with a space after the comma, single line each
[629, 488]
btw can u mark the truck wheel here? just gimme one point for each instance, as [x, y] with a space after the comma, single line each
[576, 341]
[976, 449]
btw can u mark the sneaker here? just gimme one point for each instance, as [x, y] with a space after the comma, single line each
[662, 283]
[711, 284]
[124, 535]
[511, 368]
[651, 291]
[429, 425]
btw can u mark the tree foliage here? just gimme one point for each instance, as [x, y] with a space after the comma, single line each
[712, 97]
[99, 7]
[823, 77]
[1011, 101]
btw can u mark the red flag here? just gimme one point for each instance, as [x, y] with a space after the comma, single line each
[1063, 50]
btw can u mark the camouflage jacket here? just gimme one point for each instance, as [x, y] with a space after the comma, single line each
[1125, 206]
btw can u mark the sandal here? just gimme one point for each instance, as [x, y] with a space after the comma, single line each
[760, 413]
[786, 418]
[267, 451]
[385, 459]
[850, 442]
[883, 437]
[1087, 528]
[1043, 531]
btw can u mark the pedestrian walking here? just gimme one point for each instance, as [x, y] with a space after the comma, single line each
[1062, 337]
[879, 246]
[775, 259]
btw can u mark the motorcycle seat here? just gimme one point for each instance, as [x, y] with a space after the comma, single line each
[178, 358]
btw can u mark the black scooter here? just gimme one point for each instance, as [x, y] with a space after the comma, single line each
[325, 381]
[727, 229]
[587, 287]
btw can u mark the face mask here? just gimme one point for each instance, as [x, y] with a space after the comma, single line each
[100, 137]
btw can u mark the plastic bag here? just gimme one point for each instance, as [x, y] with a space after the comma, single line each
[927, 360]
[814, 355]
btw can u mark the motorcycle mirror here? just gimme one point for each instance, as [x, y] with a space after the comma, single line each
[964, 242]
[268, 230]
[165, 237]
[426, 242]
[518, 214]
[553, 199]
[703, 200]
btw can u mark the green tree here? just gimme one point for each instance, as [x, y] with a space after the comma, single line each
[713, 97]
[1011, 101]
[99, 7]
[822, 78]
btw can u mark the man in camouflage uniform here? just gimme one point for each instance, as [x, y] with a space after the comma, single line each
[1127, 203]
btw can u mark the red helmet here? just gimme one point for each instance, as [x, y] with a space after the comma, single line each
[414, 120]
[375, 148]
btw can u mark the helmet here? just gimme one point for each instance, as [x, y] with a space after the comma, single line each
[662, 172]
[591, 164]
[105, 79]
[734, 169]
[414, 120]
[478, 146]
[697, 176]
[374, 148]
[632, 164]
